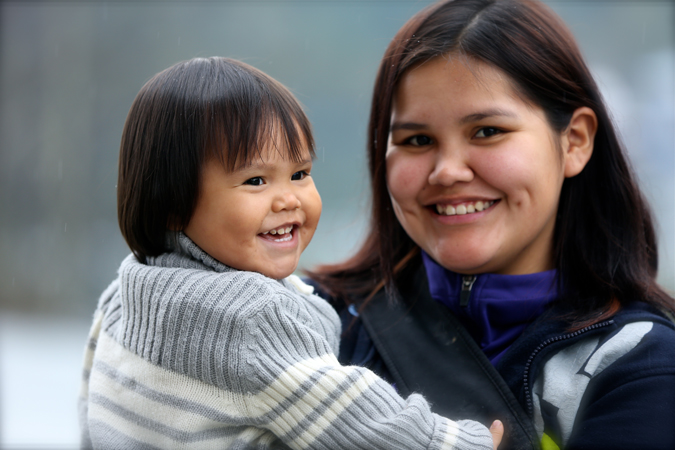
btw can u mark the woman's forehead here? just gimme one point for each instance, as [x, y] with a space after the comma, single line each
[469, 85]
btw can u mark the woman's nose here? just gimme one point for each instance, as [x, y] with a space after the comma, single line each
[286, 201]
[450, 168]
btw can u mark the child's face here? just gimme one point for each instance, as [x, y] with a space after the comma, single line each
[257, 218]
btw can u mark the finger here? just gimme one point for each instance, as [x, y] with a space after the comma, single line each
[497, 431]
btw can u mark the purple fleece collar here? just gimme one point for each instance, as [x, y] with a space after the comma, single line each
[500, 306]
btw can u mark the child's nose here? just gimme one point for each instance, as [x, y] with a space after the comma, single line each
[286, 201]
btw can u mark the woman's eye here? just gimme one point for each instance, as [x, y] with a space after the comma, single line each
[299, 175]
[420, 140]
[487, 132]
[255, 181]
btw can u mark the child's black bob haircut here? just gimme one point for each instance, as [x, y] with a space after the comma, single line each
[185, 115]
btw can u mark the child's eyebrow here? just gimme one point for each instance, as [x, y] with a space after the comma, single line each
[261, 165]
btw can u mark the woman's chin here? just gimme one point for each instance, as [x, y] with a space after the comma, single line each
[457, 261]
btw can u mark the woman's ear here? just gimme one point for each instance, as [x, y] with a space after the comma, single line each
[578, 139]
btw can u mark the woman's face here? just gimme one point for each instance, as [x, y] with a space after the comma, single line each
[474, 172]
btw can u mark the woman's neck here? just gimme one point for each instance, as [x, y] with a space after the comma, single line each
[494, 308]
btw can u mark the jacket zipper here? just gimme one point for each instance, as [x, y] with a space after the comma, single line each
[467, 285]
[526, 380]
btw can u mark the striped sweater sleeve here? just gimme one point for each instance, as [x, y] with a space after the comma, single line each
[184, 357]
[308, 400]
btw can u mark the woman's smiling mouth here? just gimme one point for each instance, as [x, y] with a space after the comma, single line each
[463, 208]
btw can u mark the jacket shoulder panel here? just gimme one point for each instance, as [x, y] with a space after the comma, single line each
[562, 382]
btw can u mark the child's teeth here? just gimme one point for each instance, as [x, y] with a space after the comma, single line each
[282, 230]
[470, 209]
[479, 206]
[461, 210]
[450, 210]
[284, 239]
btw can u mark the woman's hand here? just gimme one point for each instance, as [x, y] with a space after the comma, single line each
[497, 431]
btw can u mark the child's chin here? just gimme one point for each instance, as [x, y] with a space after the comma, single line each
[279, 273]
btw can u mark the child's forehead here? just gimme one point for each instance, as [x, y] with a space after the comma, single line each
[269, 157]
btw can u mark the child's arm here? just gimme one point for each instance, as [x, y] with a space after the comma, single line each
[302, 394]
[201, 360]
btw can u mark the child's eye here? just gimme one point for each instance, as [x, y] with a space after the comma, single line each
[487, 132]
[255, 181]
[419, 140]
[299, 175]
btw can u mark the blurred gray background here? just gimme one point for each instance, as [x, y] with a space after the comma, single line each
[69, 71]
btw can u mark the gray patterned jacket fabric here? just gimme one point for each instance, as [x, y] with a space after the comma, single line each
[185, 352]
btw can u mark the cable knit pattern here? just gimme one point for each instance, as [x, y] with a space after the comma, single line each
[188, 353]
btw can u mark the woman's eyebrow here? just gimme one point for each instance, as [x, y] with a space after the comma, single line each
[487, 113]
[495, 112]
[406, 126]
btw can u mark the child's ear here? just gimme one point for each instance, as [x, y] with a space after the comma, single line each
[173, 223]
[577, 140]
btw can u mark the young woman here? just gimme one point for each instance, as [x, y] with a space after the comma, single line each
[510, 250]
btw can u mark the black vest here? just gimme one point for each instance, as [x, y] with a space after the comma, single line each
[424, 349]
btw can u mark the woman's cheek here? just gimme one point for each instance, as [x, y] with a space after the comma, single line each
[506, 172]
[406, 176]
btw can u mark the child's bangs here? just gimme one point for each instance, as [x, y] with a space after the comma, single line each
[264, 117]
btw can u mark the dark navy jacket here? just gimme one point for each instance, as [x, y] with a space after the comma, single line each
[609, 386]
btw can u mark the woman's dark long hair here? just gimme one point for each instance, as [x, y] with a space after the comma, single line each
[604, 242]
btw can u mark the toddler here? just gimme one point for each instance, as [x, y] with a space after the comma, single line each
[206, 339]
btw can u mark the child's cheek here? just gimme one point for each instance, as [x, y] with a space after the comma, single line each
[312, 206]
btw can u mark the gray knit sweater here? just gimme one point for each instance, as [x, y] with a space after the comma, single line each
[188, 353]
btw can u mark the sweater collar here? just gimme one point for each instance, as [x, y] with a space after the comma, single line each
[499, 307]
[183, 252]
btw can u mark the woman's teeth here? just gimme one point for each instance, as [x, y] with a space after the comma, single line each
[464, 208]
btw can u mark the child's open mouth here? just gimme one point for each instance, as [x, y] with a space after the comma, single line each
[281, 234]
